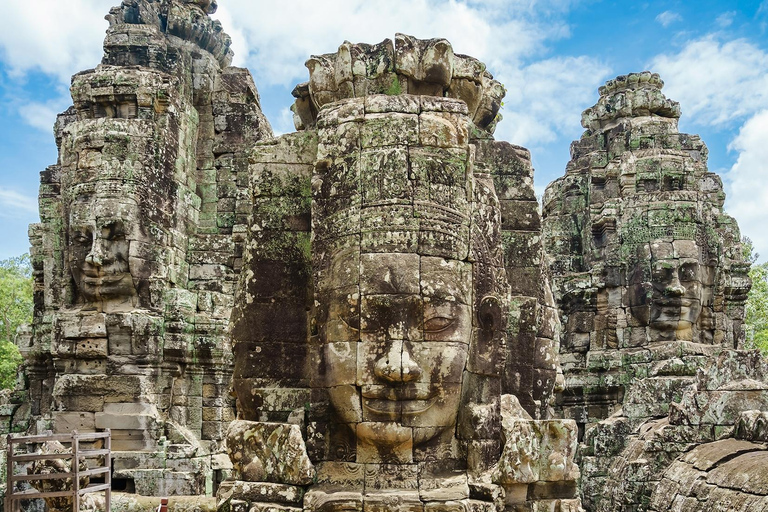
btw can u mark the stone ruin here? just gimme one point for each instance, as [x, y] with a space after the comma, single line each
[139, 246]
[366, 314]
[395, 338]
[650, 278]
[647, 267]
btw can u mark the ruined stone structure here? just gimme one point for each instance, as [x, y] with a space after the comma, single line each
[366, 314]
[394, 332]
[647, 267]
[139, 246]
[708, 453]
[650, 280]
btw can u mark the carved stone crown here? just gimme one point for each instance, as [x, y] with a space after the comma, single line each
[118, 189]
[187, 19]
[632, 95]
[405, 66]
[632, 81]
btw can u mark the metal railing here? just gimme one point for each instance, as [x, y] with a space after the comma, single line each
[76, 454]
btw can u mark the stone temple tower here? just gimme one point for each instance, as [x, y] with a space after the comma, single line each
[140, 244]
[648, 269]
[651, 281]
[394, 334]
[371, 313]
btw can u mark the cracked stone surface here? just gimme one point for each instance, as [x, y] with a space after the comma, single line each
[393, 294]
[371, 313]
[137, 252]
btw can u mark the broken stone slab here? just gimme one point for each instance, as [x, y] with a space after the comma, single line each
[127, 416]
[51, 466]
[269, 452]
[266, 492]
[535, 450]
[707, 456]
[753, 426]
[449, 488]
[745, 472]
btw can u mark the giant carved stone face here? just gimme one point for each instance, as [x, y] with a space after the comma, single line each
[396, 345]
[100, 234]
[668, 298]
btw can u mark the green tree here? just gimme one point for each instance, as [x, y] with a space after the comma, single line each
[15, 309]
[757, 302]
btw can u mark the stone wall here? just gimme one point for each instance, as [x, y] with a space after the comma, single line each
[648, 268]
[394, 331]
[687, 457]
[139, 247]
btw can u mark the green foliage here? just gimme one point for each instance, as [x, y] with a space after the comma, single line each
[394, 88]
[15, 310]
[757, 303]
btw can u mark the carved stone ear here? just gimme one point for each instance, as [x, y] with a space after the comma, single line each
[489, 314]
[212, 8]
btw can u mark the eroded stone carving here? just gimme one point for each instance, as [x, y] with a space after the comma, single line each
[53, 466]
[101, 231]
[400, 226]
[644, 466]
[651, 282]
[648, 268]
[137, 251]
[404, 66]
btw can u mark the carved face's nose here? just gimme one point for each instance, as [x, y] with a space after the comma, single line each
[675, 289]
[98, 255]
[94, 257]
[397, 366]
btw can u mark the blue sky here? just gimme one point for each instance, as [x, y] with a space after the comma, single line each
[552, 55]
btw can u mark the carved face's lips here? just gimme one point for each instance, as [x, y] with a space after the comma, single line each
[98, 278]
[392, 407]
[674, 302]
[398, 394]
[408, 400]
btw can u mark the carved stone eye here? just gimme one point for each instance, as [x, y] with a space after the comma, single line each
[82, 237]
[438, 323]
[113, 232]
[351, 320]
[689, 272]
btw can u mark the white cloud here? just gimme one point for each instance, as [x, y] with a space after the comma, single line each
[544, 100]
[725, 20]
[717, 83]
[56, 37]
[277, 41]
[42, 115]
[747, 181]
[14, 204]
[667, 18]
[724, 84]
